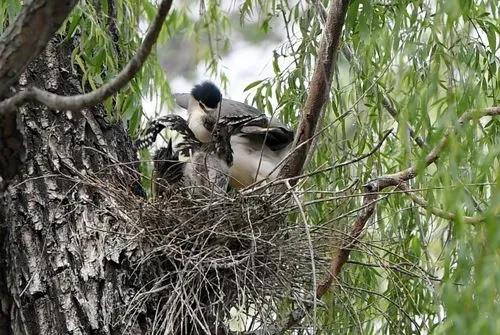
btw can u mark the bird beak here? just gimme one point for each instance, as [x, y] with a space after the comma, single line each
[208, 110]
[203, 107]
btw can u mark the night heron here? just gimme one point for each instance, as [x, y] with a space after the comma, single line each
[259, 145]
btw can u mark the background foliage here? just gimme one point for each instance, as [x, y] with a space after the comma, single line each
[431, 60]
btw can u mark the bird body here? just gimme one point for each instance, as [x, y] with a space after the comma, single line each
[208, 164]
[168, 169]
[200, 122]
[253, 161]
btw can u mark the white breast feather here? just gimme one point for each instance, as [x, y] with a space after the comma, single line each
[195, 122]
[251, 164]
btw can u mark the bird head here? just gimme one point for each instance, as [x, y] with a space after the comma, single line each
[207, 95]
[203, 109]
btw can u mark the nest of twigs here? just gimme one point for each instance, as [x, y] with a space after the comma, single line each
[218, 263]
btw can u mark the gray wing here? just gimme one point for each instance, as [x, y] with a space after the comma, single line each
[229, 107]
[277, 134]
[182, 99]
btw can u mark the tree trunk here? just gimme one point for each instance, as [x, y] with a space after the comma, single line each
[63, 267]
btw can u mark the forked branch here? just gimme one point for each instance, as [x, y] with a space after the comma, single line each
[80, 101]
[28, 35]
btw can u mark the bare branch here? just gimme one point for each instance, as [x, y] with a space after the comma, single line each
[28, 35]
[319, 87]
[369, 202]
[80, 101]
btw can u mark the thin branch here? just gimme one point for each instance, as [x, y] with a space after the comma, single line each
[398, 178]
[319, 87]
[80, 101]
[386, 102]
[288, 35]
[28, 35]
[326, 169]
[370, 200]
[312, 139]
[311, 248]
[392, 111]
[400, 267]
[438, 211]
[352, 161]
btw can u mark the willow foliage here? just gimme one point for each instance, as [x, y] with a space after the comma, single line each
[427, 62]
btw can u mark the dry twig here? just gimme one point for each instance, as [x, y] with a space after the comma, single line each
[203, 256]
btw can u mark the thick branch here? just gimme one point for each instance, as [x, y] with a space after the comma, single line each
[319, 87]
[28, 35]
[80, 101]
[369, 202]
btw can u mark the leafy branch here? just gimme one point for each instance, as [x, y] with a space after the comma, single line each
[370, 200]
[373, 188]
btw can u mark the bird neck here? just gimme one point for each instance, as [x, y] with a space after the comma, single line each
[197, 121]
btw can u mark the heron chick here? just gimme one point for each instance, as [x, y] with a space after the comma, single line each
[208, 164]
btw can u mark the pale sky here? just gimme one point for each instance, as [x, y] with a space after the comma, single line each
[245, 63]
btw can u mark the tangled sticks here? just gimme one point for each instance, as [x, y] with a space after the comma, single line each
[199, 258]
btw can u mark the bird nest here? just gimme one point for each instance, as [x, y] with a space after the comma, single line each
[218, 263]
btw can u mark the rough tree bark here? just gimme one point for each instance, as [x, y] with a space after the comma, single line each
[65, 259]
[62, 269]
[23, 40]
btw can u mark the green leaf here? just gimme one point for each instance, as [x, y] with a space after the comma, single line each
[252, 85]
